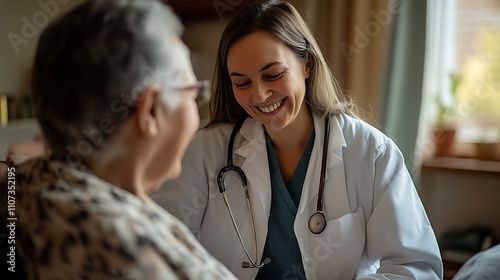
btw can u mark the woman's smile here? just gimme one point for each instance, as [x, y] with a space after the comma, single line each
[273, 108]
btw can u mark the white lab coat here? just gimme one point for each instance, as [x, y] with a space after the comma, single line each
[377, 227]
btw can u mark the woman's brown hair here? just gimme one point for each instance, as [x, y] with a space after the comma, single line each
[283, 21]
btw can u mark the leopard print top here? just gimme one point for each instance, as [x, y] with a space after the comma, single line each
[74, 225]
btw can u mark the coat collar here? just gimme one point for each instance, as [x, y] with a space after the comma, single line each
[252, 147]
[253, 132]
[253, 129]
[335, 141]
[253, 150]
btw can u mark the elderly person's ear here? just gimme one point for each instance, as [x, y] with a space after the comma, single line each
[147, 109]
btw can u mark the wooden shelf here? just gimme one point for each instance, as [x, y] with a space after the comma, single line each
[461, 164]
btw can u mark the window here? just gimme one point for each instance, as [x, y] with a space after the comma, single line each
[478, 62]
[463, 38]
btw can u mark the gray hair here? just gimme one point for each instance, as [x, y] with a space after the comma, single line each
[92, 62]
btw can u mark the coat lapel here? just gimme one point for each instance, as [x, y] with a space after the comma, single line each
[335, 193]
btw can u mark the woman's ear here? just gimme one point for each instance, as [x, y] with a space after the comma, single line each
[308, 66]
[147, 111]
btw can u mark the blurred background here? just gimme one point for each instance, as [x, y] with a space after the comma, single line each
[426, 73]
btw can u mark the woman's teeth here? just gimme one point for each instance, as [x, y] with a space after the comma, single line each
[271, 108]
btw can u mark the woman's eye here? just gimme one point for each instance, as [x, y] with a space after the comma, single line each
[274, 77]
[241, 84]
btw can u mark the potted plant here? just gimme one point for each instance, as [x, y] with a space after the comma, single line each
[443, 133]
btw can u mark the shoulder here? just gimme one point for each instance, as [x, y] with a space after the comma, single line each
[209, 144]
[213, 135]
[212, 139]
[146, 241]
[62, 215]
[483, 266]
[112, 232]
[362, 136]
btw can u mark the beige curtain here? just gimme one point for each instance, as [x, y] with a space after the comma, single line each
[377, 48]
[356, 36]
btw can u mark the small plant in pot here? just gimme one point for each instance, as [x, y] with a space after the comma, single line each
[444, 130]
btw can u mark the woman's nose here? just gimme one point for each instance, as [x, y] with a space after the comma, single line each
[261, 93]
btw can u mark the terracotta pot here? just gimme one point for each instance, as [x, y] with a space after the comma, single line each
[444, 139]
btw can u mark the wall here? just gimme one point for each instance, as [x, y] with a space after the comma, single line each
[21, 22]
[202, 38]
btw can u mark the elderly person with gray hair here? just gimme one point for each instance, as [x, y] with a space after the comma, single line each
[114, 93]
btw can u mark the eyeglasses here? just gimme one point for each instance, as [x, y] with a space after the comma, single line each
[202, 89]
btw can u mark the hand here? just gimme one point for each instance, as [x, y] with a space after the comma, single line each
[28, 149]
[21, 151]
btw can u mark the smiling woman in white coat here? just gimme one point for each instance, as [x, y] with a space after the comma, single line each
[285, 182]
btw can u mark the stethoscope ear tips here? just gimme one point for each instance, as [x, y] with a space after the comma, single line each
[317, 223]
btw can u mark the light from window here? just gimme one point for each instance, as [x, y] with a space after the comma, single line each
[478, 62]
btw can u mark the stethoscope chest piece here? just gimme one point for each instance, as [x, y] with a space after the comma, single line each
[317, 223]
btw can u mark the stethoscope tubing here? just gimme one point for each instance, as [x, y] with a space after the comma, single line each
[317, 221]
[222, 188]
[253, 264]
[319, 206]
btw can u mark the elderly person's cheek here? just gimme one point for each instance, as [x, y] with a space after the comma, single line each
[181, 126]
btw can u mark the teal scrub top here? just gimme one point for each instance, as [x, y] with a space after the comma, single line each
[281, 244]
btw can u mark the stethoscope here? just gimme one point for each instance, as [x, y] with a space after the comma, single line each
[317, 221]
